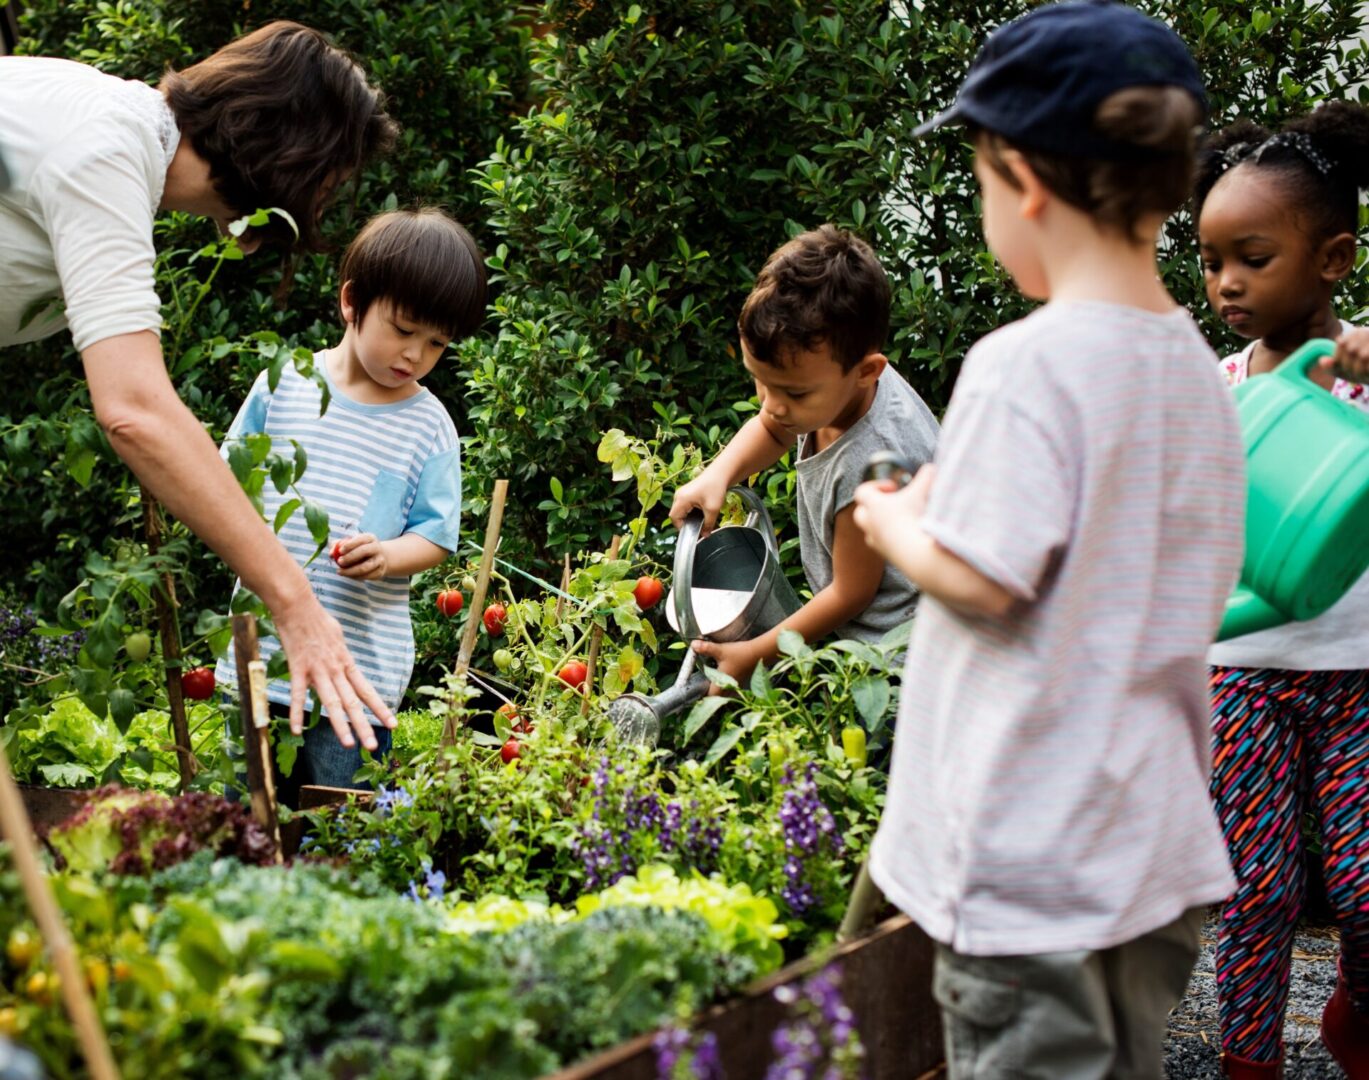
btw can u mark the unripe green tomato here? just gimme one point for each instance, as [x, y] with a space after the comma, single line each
[138, 646]
[468, 584]
[777, 754]
[503, 659]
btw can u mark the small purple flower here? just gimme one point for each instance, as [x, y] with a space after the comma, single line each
[698, 1056]
[807, 826]
[436, 882]
[820, 1040]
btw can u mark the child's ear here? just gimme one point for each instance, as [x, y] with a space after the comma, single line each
[345, 305]
[870, 368]
[1338, 257]
[1033, 194]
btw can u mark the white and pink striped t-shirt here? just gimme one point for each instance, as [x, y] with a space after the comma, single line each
[1049, 779]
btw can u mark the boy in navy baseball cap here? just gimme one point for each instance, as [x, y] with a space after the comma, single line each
[1048, 821]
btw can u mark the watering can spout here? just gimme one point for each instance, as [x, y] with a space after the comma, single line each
[1247, 613]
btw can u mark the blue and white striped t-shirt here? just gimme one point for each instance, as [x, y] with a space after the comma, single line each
[382, 469]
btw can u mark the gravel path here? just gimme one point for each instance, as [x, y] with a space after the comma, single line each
[1192, 1049]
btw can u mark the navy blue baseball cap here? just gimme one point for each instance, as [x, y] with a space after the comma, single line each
[1038, 80]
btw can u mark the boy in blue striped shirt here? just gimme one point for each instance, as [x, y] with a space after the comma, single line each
[384, 459]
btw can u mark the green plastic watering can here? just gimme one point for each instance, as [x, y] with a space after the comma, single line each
[1307, 507]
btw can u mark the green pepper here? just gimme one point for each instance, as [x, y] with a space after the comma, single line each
[853, 746]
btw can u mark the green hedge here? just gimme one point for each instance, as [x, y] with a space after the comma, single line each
[627, 168]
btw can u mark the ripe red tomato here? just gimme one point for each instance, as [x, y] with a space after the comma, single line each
[449, 602]
[508, 711]
[198, 684]
[336, 553]
[496, 615]
[509, 751]
[648, 592]
[573, 674]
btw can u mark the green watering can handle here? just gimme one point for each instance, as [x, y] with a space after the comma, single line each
[1299, 366]
[1246, 613]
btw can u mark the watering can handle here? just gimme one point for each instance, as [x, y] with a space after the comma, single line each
[1248, 613]
[1298, 366]
[758, 518]
[682, 579]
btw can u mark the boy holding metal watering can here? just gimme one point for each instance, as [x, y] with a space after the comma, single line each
[811, 333]
[1048, 822]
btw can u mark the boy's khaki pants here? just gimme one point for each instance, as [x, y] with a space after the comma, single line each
[1065, 1016]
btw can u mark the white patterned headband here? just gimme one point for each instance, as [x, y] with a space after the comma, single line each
[1298, 141]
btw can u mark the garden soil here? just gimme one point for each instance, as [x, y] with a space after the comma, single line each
[1192, 1048]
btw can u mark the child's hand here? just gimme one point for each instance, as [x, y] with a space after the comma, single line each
[1351, 359]
[704, 492]
[361, 557]
[885, 513]
[735, 658]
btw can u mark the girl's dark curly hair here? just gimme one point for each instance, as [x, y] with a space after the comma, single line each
[1323, 172]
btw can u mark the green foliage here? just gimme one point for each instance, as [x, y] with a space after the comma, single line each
[456, 73]
[748, 923]
[224, 971]
[675, 146]
[662, 151]
[66, 745]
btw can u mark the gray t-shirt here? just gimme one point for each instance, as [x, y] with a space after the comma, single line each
[897, 420]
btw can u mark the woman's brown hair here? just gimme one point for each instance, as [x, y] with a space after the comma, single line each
[282, 116]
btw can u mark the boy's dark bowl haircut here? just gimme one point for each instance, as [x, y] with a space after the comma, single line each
[824, 287]
[279, 114]
[425, 264]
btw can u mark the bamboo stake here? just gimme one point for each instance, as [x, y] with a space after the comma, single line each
[565, 587]
[16, 828]
[865, 898]
[165, 603]
[256, 727]
[482, 584]
[595, 641]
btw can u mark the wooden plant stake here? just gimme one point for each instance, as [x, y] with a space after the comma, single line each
[565, 587]
[865, 898]
[596, 639]
[165, 603]
[256, 727]
[482, 584]
[16, 828]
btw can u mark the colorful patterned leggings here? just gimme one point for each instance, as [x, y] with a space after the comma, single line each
[1286, 743]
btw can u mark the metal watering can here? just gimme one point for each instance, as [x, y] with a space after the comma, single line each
[726, 587]
[1307, 508]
